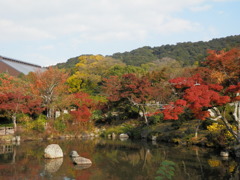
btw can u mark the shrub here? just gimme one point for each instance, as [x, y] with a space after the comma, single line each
[206, 123]
[97, 115]
[39, 123]
[219, 135]
[30, 124]
[155, 119]
[59, 125]
[23, 118]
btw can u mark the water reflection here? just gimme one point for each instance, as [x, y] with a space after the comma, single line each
[53, 165]
[115, 160]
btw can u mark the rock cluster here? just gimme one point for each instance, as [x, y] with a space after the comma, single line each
[54, 151]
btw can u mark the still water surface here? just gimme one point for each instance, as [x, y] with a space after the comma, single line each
[114, 160]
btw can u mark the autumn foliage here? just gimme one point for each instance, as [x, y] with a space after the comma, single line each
[84, 106]
[16, 98]
[199, 95]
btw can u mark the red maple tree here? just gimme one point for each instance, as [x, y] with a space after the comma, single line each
[199, 96]
[131, 89]
[15, 98]
[84, 105]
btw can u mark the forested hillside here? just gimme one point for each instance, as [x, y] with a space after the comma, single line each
[187, 53]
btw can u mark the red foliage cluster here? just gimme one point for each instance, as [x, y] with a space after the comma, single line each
[18, 102]
[186, 82]
[129, 86]
[234, 92]
[84, 106]
[172, 110]
[15, 99]
[197, 98]
[227, 62]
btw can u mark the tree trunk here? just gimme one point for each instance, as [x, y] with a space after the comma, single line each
[50, 113]
[236, 116]
[144, 115]
[14, 120]
[197, 128]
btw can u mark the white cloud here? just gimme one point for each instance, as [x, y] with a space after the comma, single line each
[98, 21]
[173, 25]
[10, 30]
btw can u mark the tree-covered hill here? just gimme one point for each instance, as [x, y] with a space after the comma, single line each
[187, 53]
[69, 64]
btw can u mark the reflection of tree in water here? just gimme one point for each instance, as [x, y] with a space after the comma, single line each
[117, 160]
[199, 163]
[18, 167]
[123, 162]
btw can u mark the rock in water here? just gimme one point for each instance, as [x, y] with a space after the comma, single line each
[74, 154]
[123, 136]
[81, 160]
[82, 166]
[224, 153]
[53, 151]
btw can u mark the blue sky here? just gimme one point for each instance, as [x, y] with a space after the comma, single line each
[48, 32]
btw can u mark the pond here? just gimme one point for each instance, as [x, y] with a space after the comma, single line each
[114, 160]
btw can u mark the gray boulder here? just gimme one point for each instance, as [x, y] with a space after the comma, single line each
[53, 151]
[81, 160]
[123, 136]
[74, 154]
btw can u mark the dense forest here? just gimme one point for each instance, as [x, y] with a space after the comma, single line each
[92, 91]
[188, 53]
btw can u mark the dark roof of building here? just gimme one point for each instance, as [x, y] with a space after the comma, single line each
[20, 66]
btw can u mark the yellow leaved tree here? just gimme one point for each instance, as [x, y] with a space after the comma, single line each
[89, 72]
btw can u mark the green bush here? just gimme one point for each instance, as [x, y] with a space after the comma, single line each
[30, 124]
[176, 124]
[97, 115]
[23, 118]
[39, 123]
[124, 128]
[153, 120]
[59, 125]
[116, 130]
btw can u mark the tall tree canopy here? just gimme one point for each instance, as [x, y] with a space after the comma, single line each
[49, 85]
[132, 89]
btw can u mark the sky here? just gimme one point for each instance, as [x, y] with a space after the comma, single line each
[47, 32]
